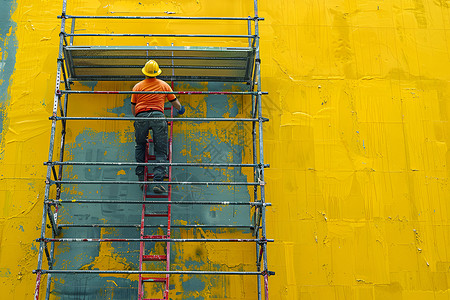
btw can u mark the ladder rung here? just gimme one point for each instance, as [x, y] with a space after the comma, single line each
[154, 257]
[157, 215]
[152, 279]
[155, 237]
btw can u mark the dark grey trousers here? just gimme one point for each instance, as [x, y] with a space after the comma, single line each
[160, 141]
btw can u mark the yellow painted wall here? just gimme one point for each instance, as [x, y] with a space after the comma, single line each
[357, 141]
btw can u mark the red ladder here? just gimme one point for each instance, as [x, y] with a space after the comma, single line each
[162, 257]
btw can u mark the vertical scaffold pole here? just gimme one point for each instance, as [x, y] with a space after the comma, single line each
[255, 169]
[255, 196]
[46, 207]
[261, 153]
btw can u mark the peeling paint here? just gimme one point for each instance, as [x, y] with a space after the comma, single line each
[8, 45]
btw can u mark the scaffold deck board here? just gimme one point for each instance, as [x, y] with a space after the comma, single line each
[117, 63]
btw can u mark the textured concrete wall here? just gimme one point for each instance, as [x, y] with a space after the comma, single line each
[357, 143]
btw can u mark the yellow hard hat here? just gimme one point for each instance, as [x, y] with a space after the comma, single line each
[151, 69]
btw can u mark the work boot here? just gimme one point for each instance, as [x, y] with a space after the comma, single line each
[159, 189]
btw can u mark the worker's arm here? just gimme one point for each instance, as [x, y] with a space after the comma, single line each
[176, 103]
[133, 109]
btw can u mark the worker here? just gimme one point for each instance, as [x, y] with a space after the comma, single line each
[152, 106]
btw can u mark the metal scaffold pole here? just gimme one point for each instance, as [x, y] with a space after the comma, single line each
[258, 108]
[46, 207]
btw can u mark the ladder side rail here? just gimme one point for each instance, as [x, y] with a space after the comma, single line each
[142, 228]
[169, 206]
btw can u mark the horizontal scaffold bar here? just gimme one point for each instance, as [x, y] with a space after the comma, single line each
[167, 119]
[244, 36]
[152, 182]
[164, 18]
[167, 78]
[101, 163]
[146, 272]
[157, 202]
[153, 240]
[191, 58]
[160, 92]
[152, 226]
[161, 66]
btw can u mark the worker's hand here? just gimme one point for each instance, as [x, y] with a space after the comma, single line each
[182, 110]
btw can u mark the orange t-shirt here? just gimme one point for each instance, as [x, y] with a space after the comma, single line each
[146, 102]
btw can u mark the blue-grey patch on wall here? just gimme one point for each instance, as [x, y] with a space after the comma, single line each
[97, 146]
[8, 46]
[124, 110]
[193, 284]
[89, 84]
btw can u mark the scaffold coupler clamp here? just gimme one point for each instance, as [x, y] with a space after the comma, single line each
[262, 240]
[268, 273]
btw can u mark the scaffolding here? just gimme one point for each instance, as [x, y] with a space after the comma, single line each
[185, 64]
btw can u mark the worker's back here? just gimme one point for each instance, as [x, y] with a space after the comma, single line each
[147, 102]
